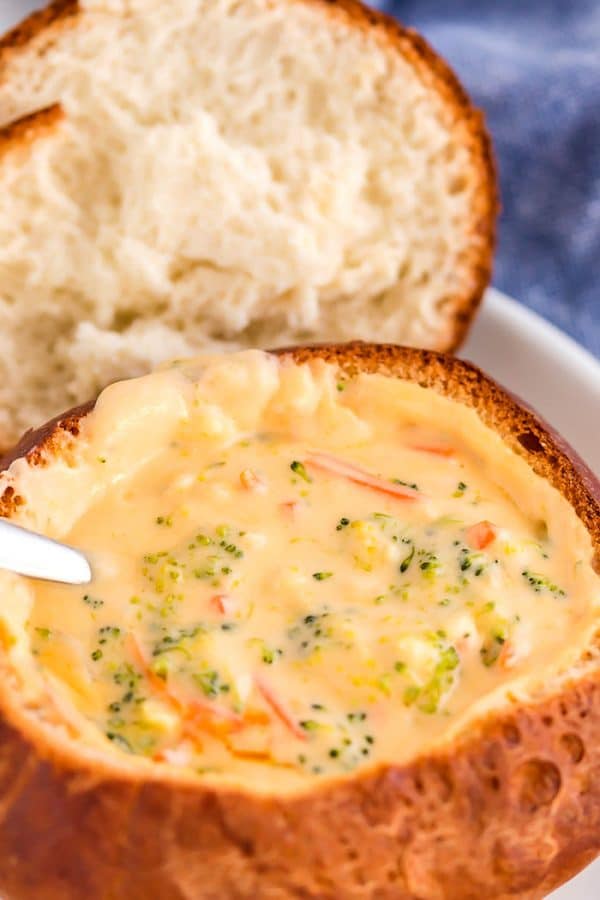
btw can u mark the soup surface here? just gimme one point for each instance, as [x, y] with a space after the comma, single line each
[300, 571]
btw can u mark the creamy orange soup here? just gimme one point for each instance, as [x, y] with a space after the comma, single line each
[297, 570]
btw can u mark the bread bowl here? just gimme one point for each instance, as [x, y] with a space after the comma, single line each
[177, 176]
[491, 787]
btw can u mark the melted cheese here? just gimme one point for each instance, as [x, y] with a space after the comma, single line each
[297, 573]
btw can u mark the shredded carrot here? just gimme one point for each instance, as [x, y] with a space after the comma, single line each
[221, 722]
[251, 481]
[258, 755]
[290, 507]
[156, 682]
[160, 686]
[209, 717]
[279, 709]
[437, 450]
[256, 717]
[507, 657]
[481, 535]
[223, 603]
[197, 727]
[334, 466]
[203, 710]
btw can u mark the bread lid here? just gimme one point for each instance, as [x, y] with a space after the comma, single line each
[176, 177]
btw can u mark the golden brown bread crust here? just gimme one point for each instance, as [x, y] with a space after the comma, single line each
[22, 133]
[35, 24]
[41, 28]
[38, 444]
[509, 811]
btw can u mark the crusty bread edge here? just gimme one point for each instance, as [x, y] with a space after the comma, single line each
[20, 135]
[466, 121]
[41, 21]
[510, 809]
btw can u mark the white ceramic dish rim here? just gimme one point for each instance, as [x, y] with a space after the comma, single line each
[543, 366]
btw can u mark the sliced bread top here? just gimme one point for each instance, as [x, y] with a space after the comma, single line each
[214, 172]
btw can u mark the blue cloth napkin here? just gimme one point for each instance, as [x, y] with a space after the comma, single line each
[534, 68]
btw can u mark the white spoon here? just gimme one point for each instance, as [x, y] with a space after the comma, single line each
[27, 553]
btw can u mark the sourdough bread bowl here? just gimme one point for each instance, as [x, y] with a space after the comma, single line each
[467, 763]
[181, 175]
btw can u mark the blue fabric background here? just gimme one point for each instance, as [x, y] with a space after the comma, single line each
[534, 68]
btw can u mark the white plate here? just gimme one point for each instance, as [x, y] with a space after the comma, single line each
[534, 360]
[543, 366]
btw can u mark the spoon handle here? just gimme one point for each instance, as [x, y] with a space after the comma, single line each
[28, 553]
